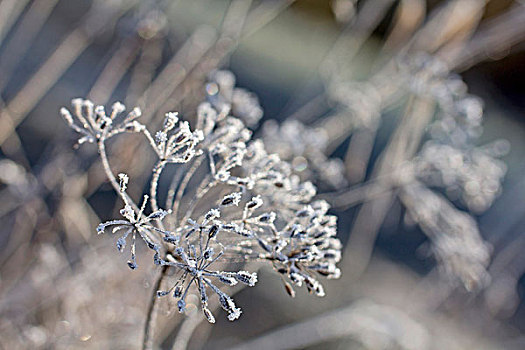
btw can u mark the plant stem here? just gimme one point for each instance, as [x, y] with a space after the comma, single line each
[151, 318]
[157, 170]
[110, 175]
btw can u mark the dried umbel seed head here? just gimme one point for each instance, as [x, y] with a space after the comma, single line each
[304, 147]
[176, 143]
[231, 203]
[136, 224]
[196, 266]
[450, 158]
[92, 122]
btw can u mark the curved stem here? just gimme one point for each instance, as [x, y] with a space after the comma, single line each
[182, 187]
[203, 188]
[107, 167]
[157, 171]
[109, 173]
[173, 185]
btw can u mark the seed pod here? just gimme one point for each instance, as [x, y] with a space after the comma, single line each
[214, 229]
[289, 289]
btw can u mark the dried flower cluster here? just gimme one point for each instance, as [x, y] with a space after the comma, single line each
[229, 203]
[374, 117]
[94, 124]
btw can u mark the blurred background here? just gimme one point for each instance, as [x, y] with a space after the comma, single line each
[371, 95]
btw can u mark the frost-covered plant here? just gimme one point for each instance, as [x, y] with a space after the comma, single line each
[229, 203]
[93, 124]
[449, 159]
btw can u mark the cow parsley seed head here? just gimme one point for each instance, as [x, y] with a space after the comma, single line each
[92, 122]
[450, 159]
[231, 203]
[456, 241]
[195, 264]
[136, 223]
[176, 143]
[305, 247]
